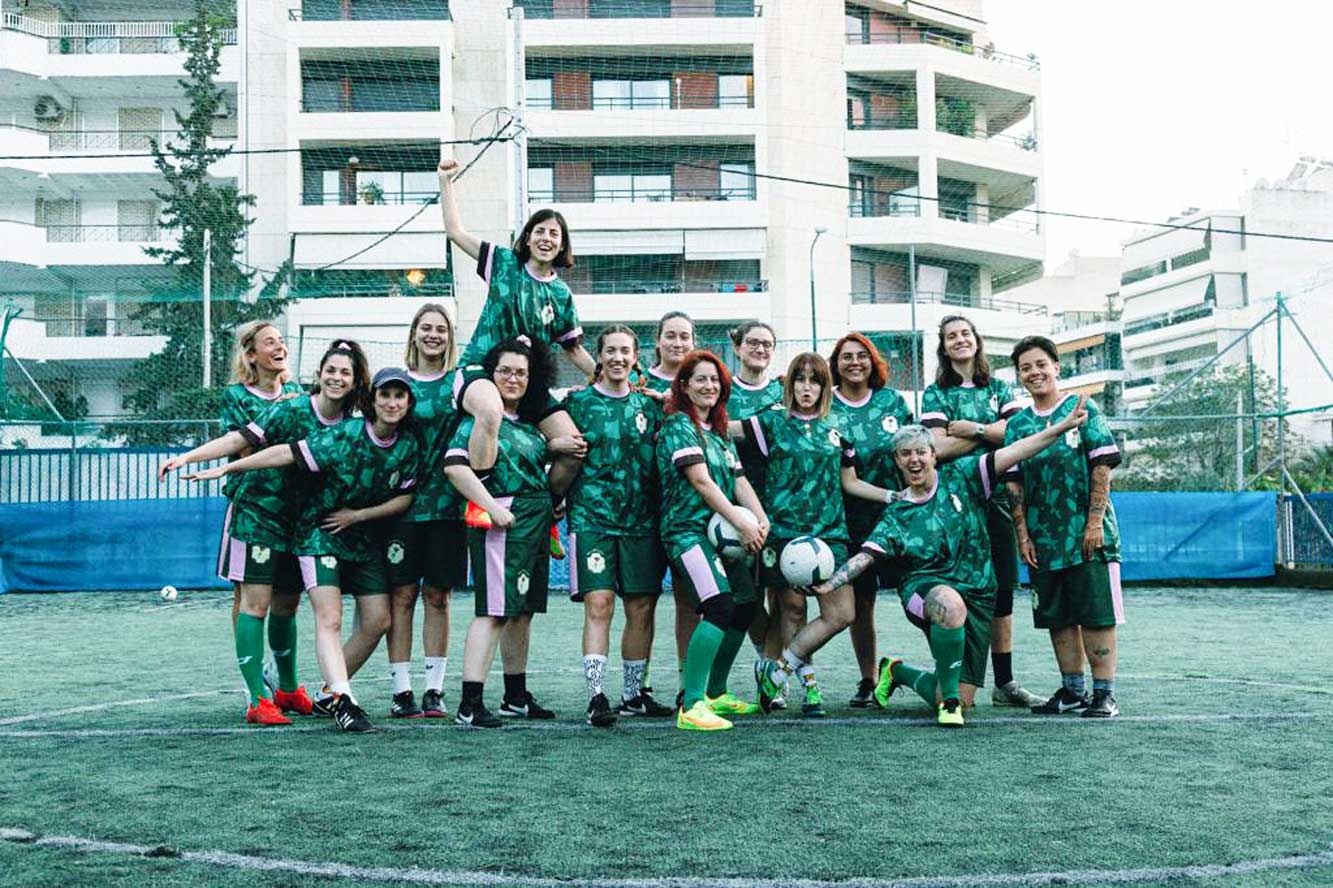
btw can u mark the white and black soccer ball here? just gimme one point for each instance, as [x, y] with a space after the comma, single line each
[806, 561]
[724, 536]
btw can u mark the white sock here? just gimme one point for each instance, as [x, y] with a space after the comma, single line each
[402, 676]
[344, 688]
[435, 669]
[594, 673]
[807, 674]
[634, 671]
[791, 662]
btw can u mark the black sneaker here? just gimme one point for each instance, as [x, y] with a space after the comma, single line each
[1062, 701]
[349, 717]
[476, 716]
[600, 714]
[644, 706]
[528, 707]
[404, 705]
[432, 704]
[322, 705]
[1102, 706]
[680, 699]
[864, 696]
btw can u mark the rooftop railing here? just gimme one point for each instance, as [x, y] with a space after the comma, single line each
[956, 44]
[651, 194]
[657, 103]
[387, 10]
[94, 38]
[602, 286]
[547, 9]
[903, 297]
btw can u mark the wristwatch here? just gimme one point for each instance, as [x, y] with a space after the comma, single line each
[980, 432]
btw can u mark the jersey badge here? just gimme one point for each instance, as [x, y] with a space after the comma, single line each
[548, 313]
[596, 562]
[1073, 438]
[393, 478]
[641, 423]
[834, 438]
[329, 561]
[957, 503]
[994, 402]
[770, 556]
[522, 583]
[395, 552]
[260, 554]
[889, 424]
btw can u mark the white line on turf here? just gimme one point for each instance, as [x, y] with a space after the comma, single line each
[228, 860]
[660, 724]
[98, 707]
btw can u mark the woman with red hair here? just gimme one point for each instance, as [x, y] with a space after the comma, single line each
[702, 475]
[871, 412]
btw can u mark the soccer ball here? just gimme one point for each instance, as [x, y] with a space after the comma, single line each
[169, 593]
[806, 561]
[724, 537]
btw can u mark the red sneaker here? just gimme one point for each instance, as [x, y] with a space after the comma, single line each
[265, 713]
[557, 547]
[297, 701]
[476, 516]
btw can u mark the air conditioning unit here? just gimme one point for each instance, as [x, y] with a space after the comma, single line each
[48, 110]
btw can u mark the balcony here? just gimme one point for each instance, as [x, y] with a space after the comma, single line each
[656, 9]
[1168, 319]
[99, 38]
[956, 300]
[960, 45]
[30, 245]
[370, 11]
[110, 154]
[632, 26]
[955, 234]
[94, 49]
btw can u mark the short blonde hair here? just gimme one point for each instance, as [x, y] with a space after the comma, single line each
[242, 364]
[410, 356]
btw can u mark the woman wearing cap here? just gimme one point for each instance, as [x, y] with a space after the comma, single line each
[361, 473]
[264, 509]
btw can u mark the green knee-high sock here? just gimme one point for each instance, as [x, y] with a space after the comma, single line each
[282, 641]
[705, 641]
[919, 680]
[250, 655]
[946, 646]
[732, 640]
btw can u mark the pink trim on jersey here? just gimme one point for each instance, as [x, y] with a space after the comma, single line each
[573, 548]
[873, 546]
[511, 416]
[933, 415]
[1009, 408]
[741, 383]
[235, 560]
[490, 258]
[426, 377]
[602, 390]
[495, 564]
[1117, 594]
[304, 447]
[686, 451]
[700, 572]
[967, 384]
[544, 280]
[760, 441]
[934, 486]
[267, 396]
[320, 417]
[653, 371]
[804, 417]
[222, 543]
[1040, 412]
[307, 565]
[986, 480]
[870, 393]
[380, 442]
[254, 429]
[1103, 451]
[916, 606]
[572, 334]
[456, 451]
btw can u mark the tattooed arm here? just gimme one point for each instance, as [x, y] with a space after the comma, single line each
[1018, 507]
[1098, 498]
[855, 566]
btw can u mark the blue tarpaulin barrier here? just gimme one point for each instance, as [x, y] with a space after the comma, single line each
[146, 544]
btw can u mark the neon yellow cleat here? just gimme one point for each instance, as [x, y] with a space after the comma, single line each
[951, 714]
[700, 718]
[886, 686]
[730, 704]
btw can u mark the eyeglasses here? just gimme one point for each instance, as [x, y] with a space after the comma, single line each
[511, 372]
[764, 344]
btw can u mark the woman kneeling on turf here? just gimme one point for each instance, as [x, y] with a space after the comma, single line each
[264, 509]
[511, 556]
[808, 465]
[937, 533]
[362, 473]
[701, 475]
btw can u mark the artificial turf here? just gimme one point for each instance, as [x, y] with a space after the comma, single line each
[1222, 755]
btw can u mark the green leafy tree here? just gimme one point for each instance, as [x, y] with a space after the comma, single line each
[168, 385]
[1313, 470]
[1192, 445]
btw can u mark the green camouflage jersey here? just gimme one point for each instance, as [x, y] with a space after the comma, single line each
[746, 401]
[437, 416]
[968, 402]
[1057, 483]
[353, 469]
[267, 503]
[241, 405]
[521, 465]
[680, 445]
[942, 538]
[656, 380]
[804, 456]
[869, 424]
[616, 490]
[519, 303]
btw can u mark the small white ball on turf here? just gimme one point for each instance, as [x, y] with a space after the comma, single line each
[169, 593]
[806, 561]
[724, 536]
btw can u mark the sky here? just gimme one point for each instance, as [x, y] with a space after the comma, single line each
[1149, 108]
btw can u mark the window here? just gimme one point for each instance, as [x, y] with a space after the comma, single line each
[137, 220]
[609, 188]
[611, 94]
[735, 91]
[650, 94]
[541, 183]
[857, 25]
[636, 185]
[138, 127]
[537, 92]
[736, 181]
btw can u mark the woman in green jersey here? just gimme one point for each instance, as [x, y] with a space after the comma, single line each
[525, 297]
[511, 556]
[426, 550]
[871, 411]
[966, 408]
[701, 475]
[936, 534]
[673, 341]
[361, 473]
[613, 545]
[810, 467]
[258, 556]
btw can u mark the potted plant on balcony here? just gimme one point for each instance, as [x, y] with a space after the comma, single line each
[372, 193]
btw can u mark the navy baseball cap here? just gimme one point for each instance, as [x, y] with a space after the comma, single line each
[387, 375]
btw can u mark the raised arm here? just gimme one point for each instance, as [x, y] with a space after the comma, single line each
[1008, 457]
[453, 221]
[854, 486]
[579, 357]
[1018, 507]
[230, 444]
[268, 458]
[715, 499]
[340, 519]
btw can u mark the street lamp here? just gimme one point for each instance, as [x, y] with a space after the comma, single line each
[814, 333]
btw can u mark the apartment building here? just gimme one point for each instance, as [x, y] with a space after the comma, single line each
[724, 157]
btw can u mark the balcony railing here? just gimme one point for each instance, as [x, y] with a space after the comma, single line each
[1168, 319]
[90, 326]
[672, 285]
[639, 195]
[387, 10]
[902, 297]
[971, 216]
[656, 103]
[908, 207]
[366, 199]
[72, 234]
[106, 37]
[883, 123]
[546, 9]
[1027, 142]
[905, 36]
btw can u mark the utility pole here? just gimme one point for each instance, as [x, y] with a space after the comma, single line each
[814, 325]
[11, 311]
[208, 308]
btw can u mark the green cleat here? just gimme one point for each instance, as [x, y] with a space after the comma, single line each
[700, 718]
[729, 704]
[772, 682]
[813, 707]
[950, 714]
[886, 686]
